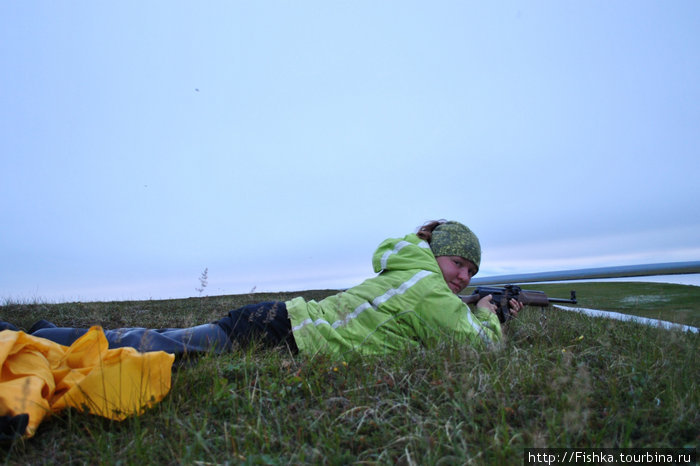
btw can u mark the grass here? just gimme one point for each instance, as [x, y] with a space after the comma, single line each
[565, 381]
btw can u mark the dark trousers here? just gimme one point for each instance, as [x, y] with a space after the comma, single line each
[198, 339]
[266, 323]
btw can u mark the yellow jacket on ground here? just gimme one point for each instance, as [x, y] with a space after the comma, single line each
[39, 377]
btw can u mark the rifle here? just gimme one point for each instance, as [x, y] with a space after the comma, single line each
[501, 296]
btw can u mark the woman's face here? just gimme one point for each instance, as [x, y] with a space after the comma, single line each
[457, 271]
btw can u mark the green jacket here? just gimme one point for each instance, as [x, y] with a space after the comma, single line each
[407, 304]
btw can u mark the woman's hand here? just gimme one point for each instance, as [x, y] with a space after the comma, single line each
[515, 307]
[487, 303]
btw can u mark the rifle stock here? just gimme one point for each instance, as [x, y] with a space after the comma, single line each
[501, 296]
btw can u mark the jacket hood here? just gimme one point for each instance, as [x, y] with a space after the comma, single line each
[407, 253]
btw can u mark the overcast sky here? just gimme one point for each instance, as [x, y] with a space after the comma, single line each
[277, 143]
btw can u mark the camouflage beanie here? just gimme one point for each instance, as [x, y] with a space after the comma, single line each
[454, 239]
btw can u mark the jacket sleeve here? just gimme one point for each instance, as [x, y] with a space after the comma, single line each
[489, 322]
[445, 317]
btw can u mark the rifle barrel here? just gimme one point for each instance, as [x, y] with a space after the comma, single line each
[562, 300]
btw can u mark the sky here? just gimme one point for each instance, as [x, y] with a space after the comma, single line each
[275, 144]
